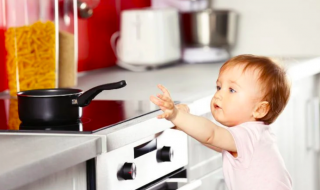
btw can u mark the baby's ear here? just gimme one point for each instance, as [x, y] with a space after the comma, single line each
[261, 110]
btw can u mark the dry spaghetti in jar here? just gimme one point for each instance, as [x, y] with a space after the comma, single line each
[31, 60]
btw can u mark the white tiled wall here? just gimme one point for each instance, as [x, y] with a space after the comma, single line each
[276, 27]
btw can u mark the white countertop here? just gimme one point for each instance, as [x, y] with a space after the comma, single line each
[30, 157]
[186, 82]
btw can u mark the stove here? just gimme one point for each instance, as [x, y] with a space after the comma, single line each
[98, 115]
[146, 155]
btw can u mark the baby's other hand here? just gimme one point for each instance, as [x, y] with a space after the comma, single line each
[165, 103]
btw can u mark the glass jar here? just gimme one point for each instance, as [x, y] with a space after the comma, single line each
[32, 37]
[3, 70]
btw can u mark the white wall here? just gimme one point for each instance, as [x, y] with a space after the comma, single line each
[276, 27]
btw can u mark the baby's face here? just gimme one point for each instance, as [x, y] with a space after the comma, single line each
[238, 93]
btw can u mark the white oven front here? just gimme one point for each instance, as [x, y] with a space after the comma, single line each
[143, 162]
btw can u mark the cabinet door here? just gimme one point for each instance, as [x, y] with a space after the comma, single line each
[284, 130]
[305, 127]
[297, 131]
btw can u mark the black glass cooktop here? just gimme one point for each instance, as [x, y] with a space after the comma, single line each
[98, 115]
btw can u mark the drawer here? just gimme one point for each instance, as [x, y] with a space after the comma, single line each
[199, 153]
[202, 160]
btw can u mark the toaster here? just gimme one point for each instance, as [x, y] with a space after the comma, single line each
[148, 37]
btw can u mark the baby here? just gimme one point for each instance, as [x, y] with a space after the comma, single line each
[251, 93]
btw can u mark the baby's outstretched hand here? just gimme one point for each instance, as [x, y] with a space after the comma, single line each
[165, 103]
[183, 107]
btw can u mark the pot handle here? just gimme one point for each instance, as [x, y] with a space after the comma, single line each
[85, 99]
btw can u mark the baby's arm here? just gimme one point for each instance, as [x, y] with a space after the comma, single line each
[213, 147]
[200, 128]
[204, 130]
[185, 108]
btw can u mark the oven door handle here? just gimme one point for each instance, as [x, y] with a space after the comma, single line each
[192, 185]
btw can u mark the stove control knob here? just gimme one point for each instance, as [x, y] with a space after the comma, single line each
[128, 171]
[165, 154]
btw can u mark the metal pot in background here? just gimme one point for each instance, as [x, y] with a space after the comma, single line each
[213, 28]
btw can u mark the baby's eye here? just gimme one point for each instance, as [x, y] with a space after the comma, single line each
[218, 87]
[232, 90]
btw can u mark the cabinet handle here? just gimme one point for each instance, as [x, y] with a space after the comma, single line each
[316, 126]
[309, 124]
[313, 125]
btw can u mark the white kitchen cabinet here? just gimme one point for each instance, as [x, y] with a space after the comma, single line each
[74, 177]
[284, 130]
[213, 181]
[297, 131]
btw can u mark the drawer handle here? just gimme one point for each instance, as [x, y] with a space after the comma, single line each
[191, 186]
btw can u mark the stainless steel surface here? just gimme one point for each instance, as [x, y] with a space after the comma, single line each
[214, 28]
[210, 4]
[148, 168]
[27, 158]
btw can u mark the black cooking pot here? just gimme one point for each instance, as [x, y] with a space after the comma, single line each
[58, 105]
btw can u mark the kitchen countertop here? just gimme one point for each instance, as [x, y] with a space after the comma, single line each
[44, 154]
[25, 158]
[186, 82]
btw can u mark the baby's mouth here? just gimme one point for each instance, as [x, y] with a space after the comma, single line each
[216, 106]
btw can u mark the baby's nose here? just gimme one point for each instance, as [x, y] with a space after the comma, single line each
[217, 96]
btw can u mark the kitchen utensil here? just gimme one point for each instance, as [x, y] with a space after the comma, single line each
[57, 106]
[214, 28]
[148, 37]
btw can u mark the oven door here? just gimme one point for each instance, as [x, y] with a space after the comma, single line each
[175, 181]
[176, 184]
